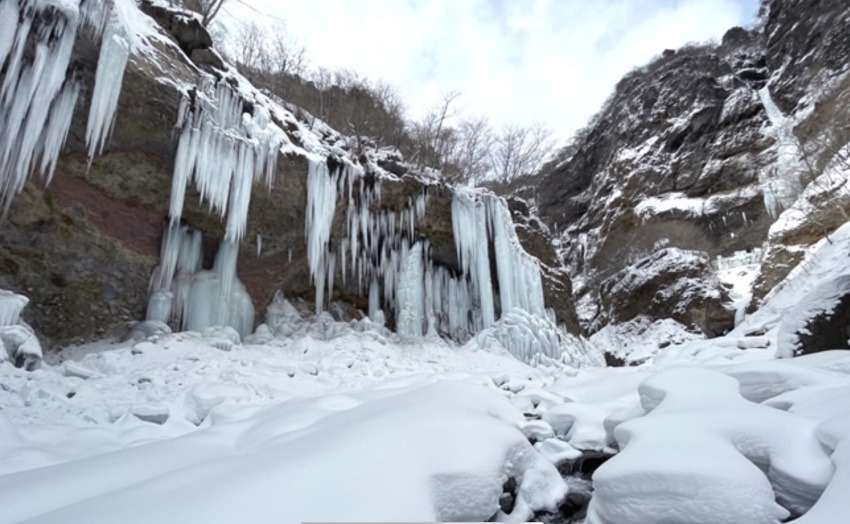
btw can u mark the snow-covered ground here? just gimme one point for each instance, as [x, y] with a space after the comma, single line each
[348, 422]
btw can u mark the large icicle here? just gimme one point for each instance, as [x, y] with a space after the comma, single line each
[34, 55]
[321, 205]
[114, 52]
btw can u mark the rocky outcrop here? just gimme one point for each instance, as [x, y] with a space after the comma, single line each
[670, 283]
[819, 321]
[704, 147]
[83, 247]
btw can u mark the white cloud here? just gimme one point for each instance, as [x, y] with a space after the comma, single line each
[516, 62]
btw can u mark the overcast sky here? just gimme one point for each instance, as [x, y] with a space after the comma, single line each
[514, 61]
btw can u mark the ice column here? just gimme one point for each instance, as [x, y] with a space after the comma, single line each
[479, 220]
[193, 299]
[411, 294]
[469, 227]
[520, 285]
[11, 305]
[781, 185]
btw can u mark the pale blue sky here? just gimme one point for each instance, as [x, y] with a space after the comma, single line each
[515, 61]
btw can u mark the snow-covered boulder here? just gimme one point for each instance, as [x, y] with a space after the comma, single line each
[703, 453]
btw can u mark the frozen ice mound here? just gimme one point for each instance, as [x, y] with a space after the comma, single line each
[18, 342]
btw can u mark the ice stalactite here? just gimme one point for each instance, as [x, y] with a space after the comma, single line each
[189, 298]
[374, 242]
[224, 150]
[39, 89]
[382, 254]
[36, 40]
[321, 205]
[114, 53]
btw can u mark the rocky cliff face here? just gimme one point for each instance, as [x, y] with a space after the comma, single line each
[709, 148]
[84, 246]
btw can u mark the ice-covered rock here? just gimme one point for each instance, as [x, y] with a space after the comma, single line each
[537, 340]
[18, 342]
[11, 305]
[147, 329]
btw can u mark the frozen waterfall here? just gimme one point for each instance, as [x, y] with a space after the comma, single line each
[381, 252]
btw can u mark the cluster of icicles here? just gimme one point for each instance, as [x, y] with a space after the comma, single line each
[382, 252]
[39, 91]
[224, 150]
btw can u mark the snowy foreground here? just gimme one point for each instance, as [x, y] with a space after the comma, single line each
[360, 425]
[331, 421]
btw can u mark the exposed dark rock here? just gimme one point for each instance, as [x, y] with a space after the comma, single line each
[828, 330]
[187, 29]
[508, 497]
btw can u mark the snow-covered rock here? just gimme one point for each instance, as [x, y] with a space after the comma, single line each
[713, 457]
[670, 283]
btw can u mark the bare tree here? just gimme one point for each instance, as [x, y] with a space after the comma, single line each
[208, 9]
[286, 55]
[472, 154]
[519, 151]
[248, 47]
[432, 137]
